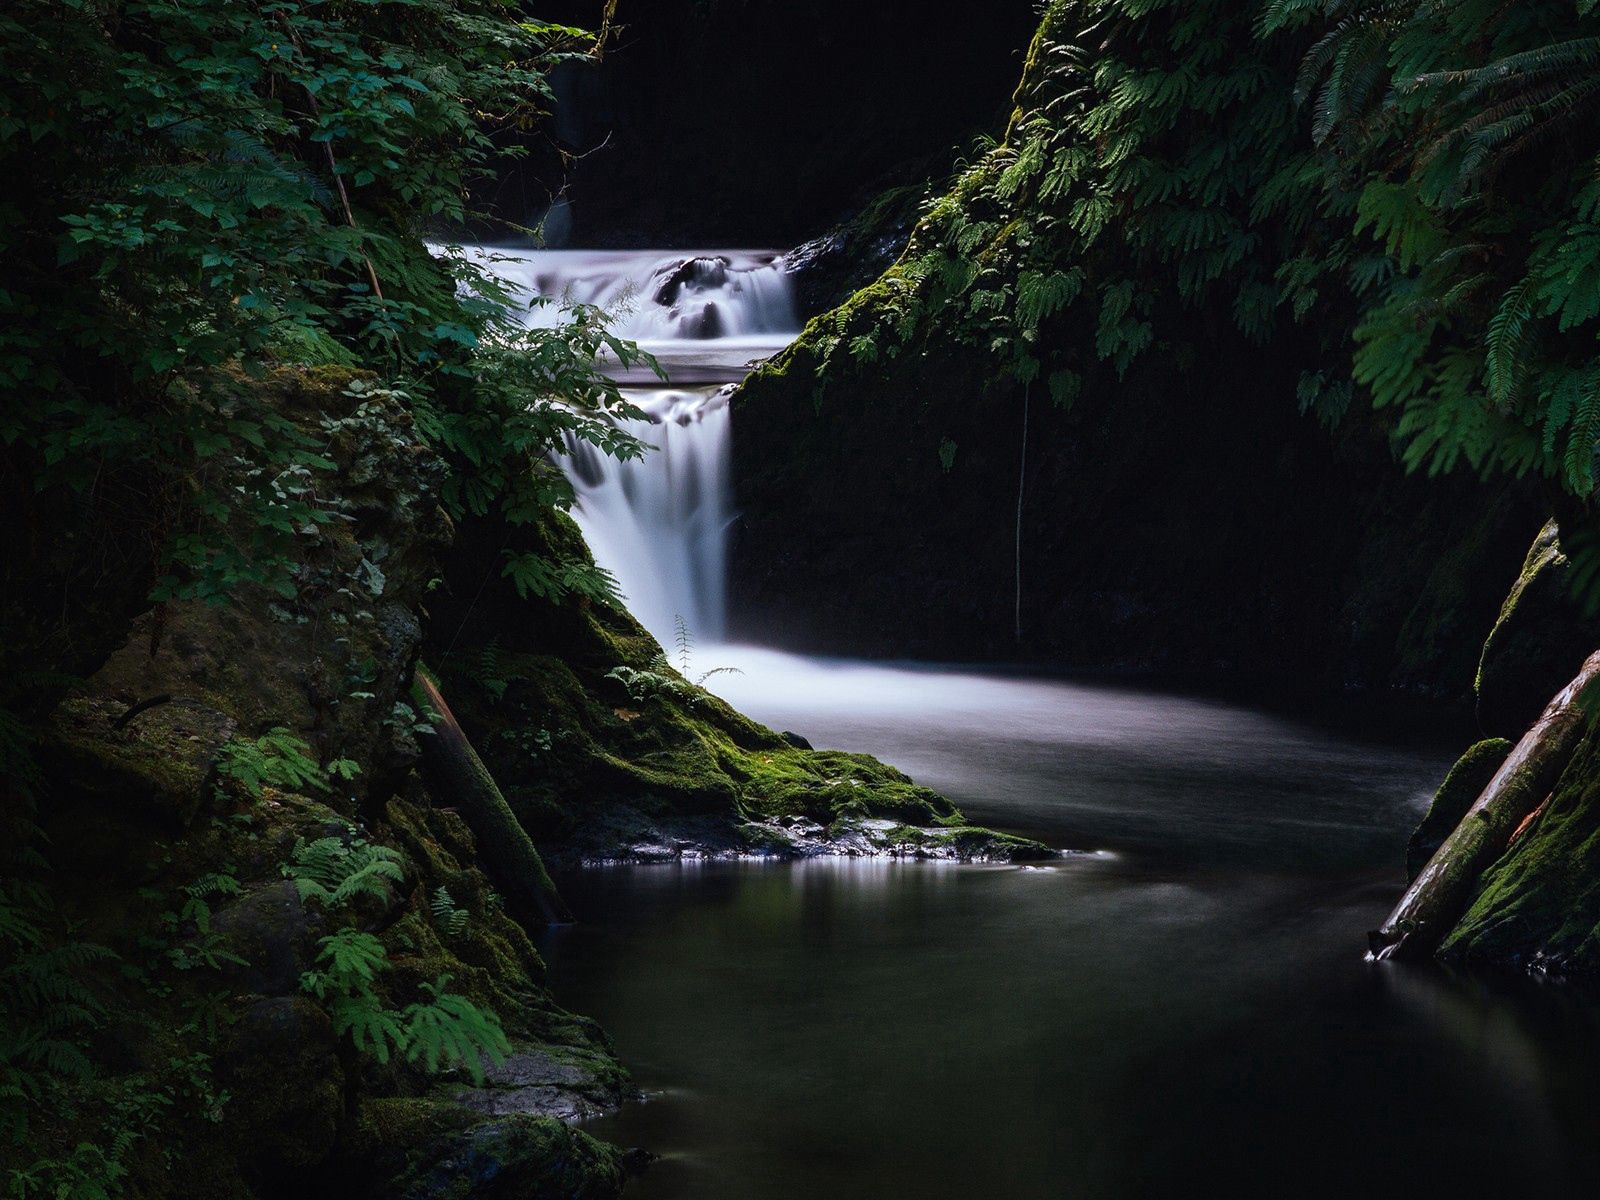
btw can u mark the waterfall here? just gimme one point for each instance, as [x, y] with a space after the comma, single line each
[660, 523]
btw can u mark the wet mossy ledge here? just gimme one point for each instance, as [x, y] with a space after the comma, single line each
[608, 753]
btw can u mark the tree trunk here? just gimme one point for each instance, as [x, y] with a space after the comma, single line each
[457, 776]
[1440, 894]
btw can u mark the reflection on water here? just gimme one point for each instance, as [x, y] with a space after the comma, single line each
[1189, 1015]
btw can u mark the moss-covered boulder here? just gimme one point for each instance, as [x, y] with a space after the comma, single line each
[186, 778]
[1461, 787]
[1538, 907]
[1539, 640]
[605, 750]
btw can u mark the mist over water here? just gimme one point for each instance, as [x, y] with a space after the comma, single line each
[1182, 1011]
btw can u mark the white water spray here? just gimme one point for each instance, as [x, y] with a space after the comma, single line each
[660, 523]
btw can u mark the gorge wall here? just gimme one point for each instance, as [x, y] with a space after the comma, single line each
[741, 123]
[1179, 488]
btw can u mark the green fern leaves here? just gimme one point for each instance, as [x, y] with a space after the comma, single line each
[336, 870]
[445, 1030]
[447, 918]
[448, 1029]
[276, 759]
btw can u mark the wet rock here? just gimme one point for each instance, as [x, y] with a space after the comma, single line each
[1461, 787]
[515, 1157]
[274, 933]
[283, 1074]
[1536, 645]
[690, 275]
[541, 1083]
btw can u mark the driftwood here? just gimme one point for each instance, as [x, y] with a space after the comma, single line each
[1440, 894]
[458, 777]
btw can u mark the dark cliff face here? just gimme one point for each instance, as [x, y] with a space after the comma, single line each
[1187, 520]
[743, 122]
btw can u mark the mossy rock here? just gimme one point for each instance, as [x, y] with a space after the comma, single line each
[1538, 642]
[1462, 786]
[576, 752]
[514, 1158]
[282, 1067]
[159, 763]
[1538, 906]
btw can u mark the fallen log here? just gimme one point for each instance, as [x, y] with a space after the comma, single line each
[1440, 894]
[457, 776]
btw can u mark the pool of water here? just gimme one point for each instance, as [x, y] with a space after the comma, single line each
[1184, 1013]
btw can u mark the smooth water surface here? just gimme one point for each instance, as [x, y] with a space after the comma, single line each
[1184, 1014]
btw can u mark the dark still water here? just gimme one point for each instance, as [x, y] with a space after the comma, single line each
[1185, 1014]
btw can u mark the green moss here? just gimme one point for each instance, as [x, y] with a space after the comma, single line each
[1544, 555]
[1462, 785]
[1539, 905]
[569, 745]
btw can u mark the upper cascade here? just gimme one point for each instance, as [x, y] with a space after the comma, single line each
[659, 296]
[660, 523]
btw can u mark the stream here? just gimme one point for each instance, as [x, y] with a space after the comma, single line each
[1179, 1009]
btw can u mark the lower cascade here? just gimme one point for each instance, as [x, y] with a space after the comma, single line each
[660, 523]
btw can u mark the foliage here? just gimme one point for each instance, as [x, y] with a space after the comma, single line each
[54, 996]
[438, 1032]
[661, 679]
[450, 920]
[222, 187]
[1473, 125]
[276, 759]
[1417, 180]
[337, 869]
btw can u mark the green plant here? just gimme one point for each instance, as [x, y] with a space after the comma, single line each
[276, 759]
[442, 1031]
[488, 669]
[450, 920]
[218, 190]
[334, 870]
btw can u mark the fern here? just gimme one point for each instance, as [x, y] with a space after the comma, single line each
[450, 920]
[488, 669]
[276, 759]
[337, 869]
[450, 1030]
[1578, 461]
[546, 579]
[1509, 334]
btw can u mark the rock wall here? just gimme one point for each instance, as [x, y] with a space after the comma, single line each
[903, 493]
[1187, 521]
[740, 122]
[180, 780]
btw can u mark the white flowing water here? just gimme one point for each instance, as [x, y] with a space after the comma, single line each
[1106, 1026]
[660, 523]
